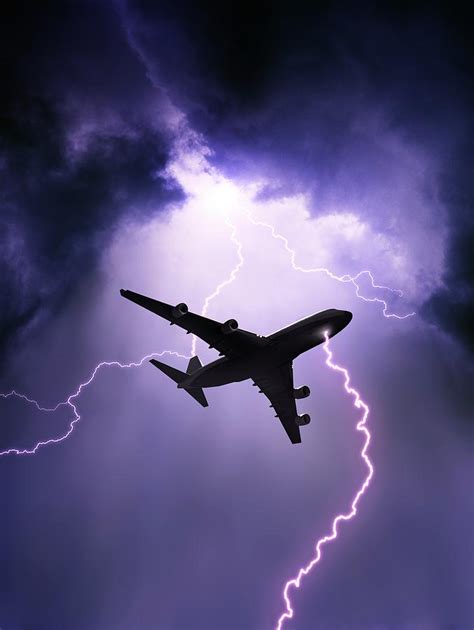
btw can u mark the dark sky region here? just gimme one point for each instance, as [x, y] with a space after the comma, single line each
[127, 131]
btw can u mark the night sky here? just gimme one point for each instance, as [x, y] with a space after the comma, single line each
[170, 148]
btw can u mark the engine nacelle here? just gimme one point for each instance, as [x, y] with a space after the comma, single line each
[301, 392]
[303, 420]
[179, 310]
[230, 326]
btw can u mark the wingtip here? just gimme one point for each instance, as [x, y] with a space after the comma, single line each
[123, 292]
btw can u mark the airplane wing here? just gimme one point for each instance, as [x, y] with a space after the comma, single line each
[277, 385]
[227, 342]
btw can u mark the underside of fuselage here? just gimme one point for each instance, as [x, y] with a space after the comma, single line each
[220, 372]
[280, 348]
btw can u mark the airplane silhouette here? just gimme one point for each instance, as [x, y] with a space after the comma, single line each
[245, 355]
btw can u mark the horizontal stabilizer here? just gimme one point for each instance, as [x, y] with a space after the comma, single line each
[177, 376]
[197, 394]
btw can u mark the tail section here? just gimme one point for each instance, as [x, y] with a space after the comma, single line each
[194, 365]
[177, 376]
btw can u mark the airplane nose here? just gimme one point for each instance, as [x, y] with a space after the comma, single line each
[346, 317]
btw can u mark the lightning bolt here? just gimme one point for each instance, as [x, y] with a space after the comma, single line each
[344, 278]
[69, 402]
[361, 426]
[224, 283]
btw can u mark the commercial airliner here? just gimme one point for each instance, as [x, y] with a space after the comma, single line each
[267, 361]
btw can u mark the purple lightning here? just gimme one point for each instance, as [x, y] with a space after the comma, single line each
[361, 426]
[69, 401]
[224, 283]
[344, 278]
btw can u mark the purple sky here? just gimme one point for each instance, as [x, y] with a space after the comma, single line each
[132, 138]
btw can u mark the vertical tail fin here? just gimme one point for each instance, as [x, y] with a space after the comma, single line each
[194, 365]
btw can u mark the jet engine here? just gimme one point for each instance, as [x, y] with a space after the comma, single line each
[302, 420]
[180, 310]
[230, 326]
[301, 392]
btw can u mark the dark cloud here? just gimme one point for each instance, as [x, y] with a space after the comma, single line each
[79, 149]
[452, 307]
[292, 90]
[243, 58]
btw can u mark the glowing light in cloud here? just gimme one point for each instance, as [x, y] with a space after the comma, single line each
[215, 194]
[362, 427]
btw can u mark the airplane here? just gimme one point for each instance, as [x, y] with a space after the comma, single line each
[267, 361]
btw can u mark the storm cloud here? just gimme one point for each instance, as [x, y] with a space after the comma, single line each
[310, 98]
[133, 136]
[81, 148]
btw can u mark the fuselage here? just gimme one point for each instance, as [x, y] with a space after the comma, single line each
[276, 349]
